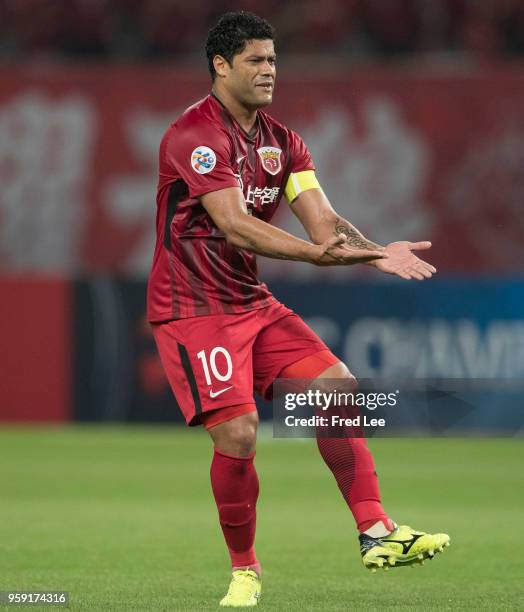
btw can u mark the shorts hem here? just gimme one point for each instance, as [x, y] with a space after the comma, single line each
[194, 419]
[228, 413]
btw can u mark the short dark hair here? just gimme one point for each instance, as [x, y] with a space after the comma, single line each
[229, 36]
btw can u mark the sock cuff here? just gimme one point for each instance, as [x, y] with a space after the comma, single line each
[245, 559]
[247, 458]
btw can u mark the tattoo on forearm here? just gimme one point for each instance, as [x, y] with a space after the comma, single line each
[354, 238]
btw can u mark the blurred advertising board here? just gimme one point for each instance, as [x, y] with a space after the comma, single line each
[84, 350]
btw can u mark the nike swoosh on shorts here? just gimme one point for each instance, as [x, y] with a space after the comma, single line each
[215, 393]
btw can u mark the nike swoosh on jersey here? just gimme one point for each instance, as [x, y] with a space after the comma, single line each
[216, 393]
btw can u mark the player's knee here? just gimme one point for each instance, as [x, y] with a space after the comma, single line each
[242, 444]
[238, 436]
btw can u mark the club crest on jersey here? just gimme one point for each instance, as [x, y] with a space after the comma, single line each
[270, 158]
[203, 160]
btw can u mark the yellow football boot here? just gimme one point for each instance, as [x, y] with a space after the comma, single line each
[244, 590]
[403, 546]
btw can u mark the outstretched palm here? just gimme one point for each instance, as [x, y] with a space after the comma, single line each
[404, 263]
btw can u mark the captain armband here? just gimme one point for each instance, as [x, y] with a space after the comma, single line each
[299, 182]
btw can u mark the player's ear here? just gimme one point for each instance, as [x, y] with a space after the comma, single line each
[221, 65]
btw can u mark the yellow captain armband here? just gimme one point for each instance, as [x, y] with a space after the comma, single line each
[299, 182]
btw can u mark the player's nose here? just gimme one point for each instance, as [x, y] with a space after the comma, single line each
[268, 69]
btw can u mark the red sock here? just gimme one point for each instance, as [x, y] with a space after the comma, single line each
[235, 486]
[351, 462]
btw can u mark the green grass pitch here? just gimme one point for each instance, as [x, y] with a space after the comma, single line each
[123, 519]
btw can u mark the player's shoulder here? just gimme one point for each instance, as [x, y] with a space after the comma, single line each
[201, 118]
[201, 115]
[201, 112]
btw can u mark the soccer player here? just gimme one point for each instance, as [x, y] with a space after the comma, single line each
[225, 166]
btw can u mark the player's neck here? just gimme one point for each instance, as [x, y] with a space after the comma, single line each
[245, 117]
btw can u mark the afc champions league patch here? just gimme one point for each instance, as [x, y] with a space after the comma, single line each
[203, 160]
[270, 158]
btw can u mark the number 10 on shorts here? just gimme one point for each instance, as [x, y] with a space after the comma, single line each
[211, 364]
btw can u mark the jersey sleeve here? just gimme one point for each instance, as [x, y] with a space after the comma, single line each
[302, 169]
[200, 155]
[300, 156]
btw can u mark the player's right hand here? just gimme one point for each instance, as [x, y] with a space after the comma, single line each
[336, 252]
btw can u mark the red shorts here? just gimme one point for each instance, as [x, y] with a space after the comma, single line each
[217, 361]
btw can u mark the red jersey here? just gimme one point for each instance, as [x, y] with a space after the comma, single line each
[195, 270]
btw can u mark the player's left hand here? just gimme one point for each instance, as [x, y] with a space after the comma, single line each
[404, 263]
